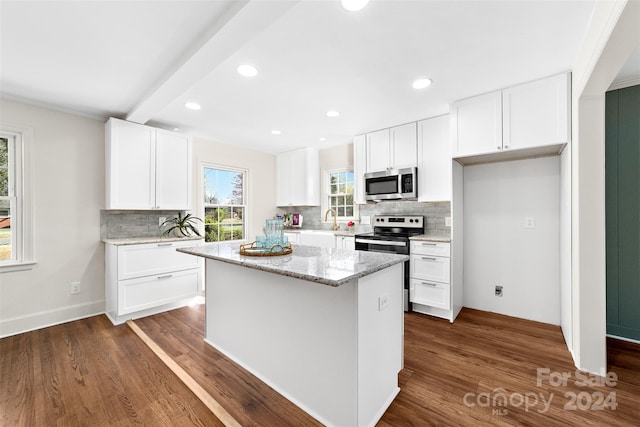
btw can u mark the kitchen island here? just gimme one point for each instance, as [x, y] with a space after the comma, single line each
[322, 326]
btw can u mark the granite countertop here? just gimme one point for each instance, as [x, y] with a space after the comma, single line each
[328, 266]
[308, 230]
[431, 238]
[142, 240]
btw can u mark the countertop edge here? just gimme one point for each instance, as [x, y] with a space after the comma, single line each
[302, 276]
[431, 238]
[345, 233]
[121, 241]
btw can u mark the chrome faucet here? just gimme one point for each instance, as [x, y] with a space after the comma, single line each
[335, 223]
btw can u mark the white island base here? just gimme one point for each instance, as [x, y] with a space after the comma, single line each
[334, 351]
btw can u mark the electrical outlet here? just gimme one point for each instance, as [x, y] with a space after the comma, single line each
[365, 220]
[529, 222]
[447, 221]
[161, 220]
[498, 290]
[383, 302]
[75, 288]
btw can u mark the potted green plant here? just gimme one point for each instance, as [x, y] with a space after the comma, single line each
[181, 225]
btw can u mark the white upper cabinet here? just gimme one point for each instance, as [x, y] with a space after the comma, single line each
[378, 150]
[434, 160]
[392, 148]
[147, 168]
[521, 121]
[536, 114]
[404, 149]
[298, 178]
[173, 170]
[359, 168]
[476, 125]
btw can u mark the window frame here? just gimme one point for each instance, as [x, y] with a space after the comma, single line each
[20, 190]
[326, 194]
[245, 197]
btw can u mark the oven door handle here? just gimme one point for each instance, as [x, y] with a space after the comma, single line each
[381, 242]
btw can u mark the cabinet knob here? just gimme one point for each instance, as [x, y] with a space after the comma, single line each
[506, 146]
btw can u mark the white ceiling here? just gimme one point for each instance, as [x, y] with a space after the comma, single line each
[143, 60]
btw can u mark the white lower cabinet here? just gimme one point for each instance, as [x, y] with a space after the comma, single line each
[432, 294]
[430, 279]
[152, 291]
[294, 238]
[324, 239]
[434, 268]
[346, 242]
[144, 279]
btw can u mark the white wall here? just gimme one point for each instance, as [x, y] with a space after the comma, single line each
[261, 179]
[565, 247]
[67, 164]
[499, 250]
[338, 157]
[613, 34]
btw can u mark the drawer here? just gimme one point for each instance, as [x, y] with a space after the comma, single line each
[148, 292]
[430, 248]
[433, 294]
[154, 258]
[432, 268]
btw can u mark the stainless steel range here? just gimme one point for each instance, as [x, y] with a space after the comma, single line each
[391, 235]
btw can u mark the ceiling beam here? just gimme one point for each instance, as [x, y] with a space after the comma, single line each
[243, 20]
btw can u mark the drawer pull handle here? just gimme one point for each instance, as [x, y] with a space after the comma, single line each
[165, 244]
[166, 276]
[427, 283]
[428, 258]
[429, 244]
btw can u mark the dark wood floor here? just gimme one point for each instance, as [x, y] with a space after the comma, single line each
[90, 373]
[481, 355]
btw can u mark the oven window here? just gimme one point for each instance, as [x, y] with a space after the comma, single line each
[385, 185]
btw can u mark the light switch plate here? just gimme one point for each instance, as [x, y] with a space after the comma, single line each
[365, 220]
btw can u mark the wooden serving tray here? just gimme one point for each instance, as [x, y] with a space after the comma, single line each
[250, 249]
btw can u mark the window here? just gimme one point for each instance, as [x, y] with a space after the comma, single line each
[7, 199]
[15, 222]
[339, 194]
[224, 204]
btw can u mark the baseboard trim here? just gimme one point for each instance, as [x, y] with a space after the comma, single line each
[618, 337]
[44, 319]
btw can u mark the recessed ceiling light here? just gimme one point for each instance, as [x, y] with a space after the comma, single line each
[176, 129]
[353, 5]
[323, 139]
[275, 132]
[421, 83]
[247, 70]
[192, 105]
[332, 113]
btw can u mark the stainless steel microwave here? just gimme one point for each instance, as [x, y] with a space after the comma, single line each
[391, 184]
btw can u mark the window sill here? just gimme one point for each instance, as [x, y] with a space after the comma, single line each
[17, 266]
